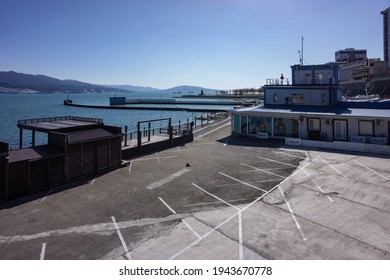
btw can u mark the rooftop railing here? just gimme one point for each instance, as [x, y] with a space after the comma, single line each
[62, 118]
[278, 82]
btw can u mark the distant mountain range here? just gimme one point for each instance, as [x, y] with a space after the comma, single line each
[25, 83]
[190, 90]
[13, 82]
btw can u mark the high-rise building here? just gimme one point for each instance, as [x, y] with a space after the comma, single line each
[350, 55]
[386, 35]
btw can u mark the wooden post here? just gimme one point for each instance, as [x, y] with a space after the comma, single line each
[20, 138]
[33, 138]
[149, 126]
[139, 137]
[125, 136]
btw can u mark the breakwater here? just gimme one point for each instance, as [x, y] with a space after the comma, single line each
[160, 108]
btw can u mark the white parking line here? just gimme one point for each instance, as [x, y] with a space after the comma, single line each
[127, 253]
[242, 182]
[254, 182]
[372, 170]
[240, 241]
[334, 168]
[290, 155]
[262, 170]
[168, 179]
[216, 197]
[184, 222]
[48, 193]
[266, 169]
[220, 225]
[43, 251]
[279, 162]
[166, 204]
[292, 214]
[153, 158]
[130, 166]
[315, 183]
[191, 229]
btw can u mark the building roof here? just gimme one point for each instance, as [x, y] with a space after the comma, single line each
[34, 153]
[90, 134]
[67, 123]
[318, 111]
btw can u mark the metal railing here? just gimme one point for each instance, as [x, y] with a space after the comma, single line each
[278, 82]
[179, 129]
[62, 118]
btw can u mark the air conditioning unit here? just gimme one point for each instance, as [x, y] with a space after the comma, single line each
[378, 122]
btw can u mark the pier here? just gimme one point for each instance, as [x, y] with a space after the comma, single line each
[124, 107]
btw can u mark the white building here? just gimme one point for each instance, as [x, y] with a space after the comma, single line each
[308, 113]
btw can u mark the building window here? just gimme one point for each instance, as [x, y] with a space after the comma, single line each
[236, 123]
[297, 98]
[340, 130]
[286, 127]
[313, 124]
[275, 97]
[366, 128]
[244, 124]
[260, 125]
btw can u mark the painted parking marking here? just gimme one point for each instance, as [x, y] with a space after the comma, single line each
[241, 210]
[211, 203]
[254, 182]
[127, 253]
[290, 155]
[48, 193]
[242, 182]
[168, 179]
[292, 214]
[154, 158]
[184, 222]
[315, 183]
[43, 251]
[262, 170]
[130, 166]
[191, 229]
[279, 162]
[216, 197]
[240, 241]
[166, 205]
[219, 225]
[334, 168]
[372, 170]
[267, 169]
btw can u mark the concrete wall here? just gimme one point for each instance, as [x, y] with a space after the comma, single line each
[339, 145]
[316, 96]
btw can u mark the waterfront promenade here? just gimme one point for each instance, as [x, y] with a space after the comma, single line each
[219, 197]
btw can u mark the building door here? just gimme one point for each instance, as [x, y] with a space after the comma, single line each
[340, 130]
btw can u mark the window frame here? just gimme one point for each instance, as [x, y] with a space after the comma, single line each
[313, 129]
[346, 130]
[372, 128]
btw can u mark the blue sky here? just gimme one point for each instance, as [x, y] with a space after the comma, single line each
[221, 44]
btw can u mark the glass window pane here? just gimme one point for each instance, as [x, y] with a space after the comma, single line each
[366, 128]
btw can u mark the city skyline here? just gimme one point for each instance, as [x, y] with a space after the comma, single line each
[221, 44]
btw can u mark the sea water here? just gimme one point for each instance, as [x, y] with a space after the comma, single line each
[14, 107]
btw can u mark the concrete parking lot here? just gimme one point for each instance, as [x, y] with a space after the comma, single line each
[219, 197]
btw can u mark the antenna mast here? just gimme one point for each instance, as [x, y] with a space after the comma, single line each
[301, 60]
